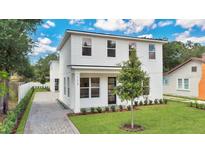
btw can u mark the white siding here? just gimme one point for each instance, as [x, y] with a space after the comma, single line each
[54, 74]
[71, 54]
[184, 72]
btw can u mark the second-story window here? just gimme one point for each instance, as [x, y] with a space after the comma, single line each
[86, 47]
[111, 48]
[132, 45]
[152, 53]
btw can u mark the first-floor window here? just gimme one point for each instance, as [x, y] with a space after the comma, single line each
[146, 86]
[186, 83]
[95, 87]
[64, 84]
[89, 87]
[84, 87]
[68, 88]
[179, 84]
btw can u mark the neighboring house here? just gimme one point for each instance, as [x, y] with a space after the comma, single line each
[88, 67]
[54, 76]
[186, 79]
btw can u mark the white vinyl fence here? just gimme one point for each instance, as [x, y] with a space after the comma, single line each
[24, 88]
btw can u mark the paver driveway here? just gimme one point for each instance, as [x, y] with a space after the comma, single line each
[48, 117]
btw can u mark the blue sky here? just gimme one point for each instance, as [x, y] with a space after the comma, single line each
[49, 34]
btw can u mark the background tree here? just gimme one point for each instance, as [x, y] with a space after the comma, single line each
[130, 81]
[15, 44]
[42, 68]
[175, 53]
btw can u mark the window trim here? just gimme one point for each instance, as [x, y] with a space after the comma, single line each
[111, 48]
[86, 46]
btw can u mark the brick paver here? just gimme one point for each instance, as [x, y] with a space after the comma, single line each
[48, 117]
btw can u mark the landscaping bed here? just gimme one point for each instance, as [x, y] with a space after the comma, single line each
[173, 118]
[119, 108]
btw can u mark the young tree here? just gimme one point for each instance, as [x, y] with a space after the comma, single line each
[3, 89]
[15, 44]
[130, 81]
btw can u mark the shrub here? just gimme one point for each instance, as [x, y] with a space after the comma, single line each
[150, 102]
[136, 103]
[146, 102]
[92, 110]
[191, 104]
[10, 121]
[83, 111]
[161, 101]
[113, 108]
[107, 109]
[165, 101]
[197, 105]
[155, 101]
[129, 108]
[99, 109]
[121, 107]
[141, 103]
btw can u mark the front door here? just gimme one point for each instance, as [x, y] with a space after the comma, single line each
[111, 86]
[56, 84]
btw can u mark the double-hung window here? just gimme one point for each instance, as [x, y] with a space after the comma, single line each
[186, 84]
[84, 87]
[132, 46]
[179, 84]
[95, 87]
[111, 48]
[152, 53]
[86, 47]
[89, 87]
[193, 69]
[64, 84]
[68, 88]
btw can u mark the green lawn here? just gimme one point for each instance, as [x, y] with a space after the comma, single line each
[22, 124]
[173, 118]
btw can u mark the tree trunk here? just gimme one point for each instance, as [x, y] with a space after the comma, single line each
[132, 114]
[6, 97]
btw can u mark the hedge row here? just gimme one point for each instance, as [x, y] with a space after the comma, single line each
[12, 118]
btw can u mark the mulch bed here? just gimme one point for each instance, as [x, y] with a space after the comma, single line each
[127, 127]
[88, 113]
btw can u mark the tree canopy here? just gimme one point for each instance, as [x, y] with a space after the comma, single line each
[175, 53]
[42, 67]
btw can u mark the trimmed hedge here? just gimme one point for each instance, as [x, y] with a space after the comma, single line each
[15, 115]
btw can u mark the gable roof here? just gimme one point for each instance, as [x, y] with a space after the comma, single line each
[184, 63]
[69, 32]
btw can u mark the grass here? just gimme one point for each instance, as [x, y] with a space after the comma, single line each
[173, 118]
[22, 124]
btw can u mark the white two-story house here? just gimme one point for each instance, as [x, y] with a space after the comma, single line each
[88, 67]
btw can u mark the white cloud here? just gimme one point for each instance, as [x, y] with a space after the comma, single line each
[185, 36]
[135, 25]
[49, 24]
[188, 24]
[110, 24]
[165, 23]
[146, 36]
[43, 45]
[154, 26]
[76, 21]
[131, 26]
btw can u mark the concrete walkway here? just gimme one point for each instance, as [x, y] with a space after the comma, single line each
[48, 117]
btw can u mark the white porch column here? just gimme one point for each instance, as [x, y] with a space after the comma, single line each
[77, 92]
